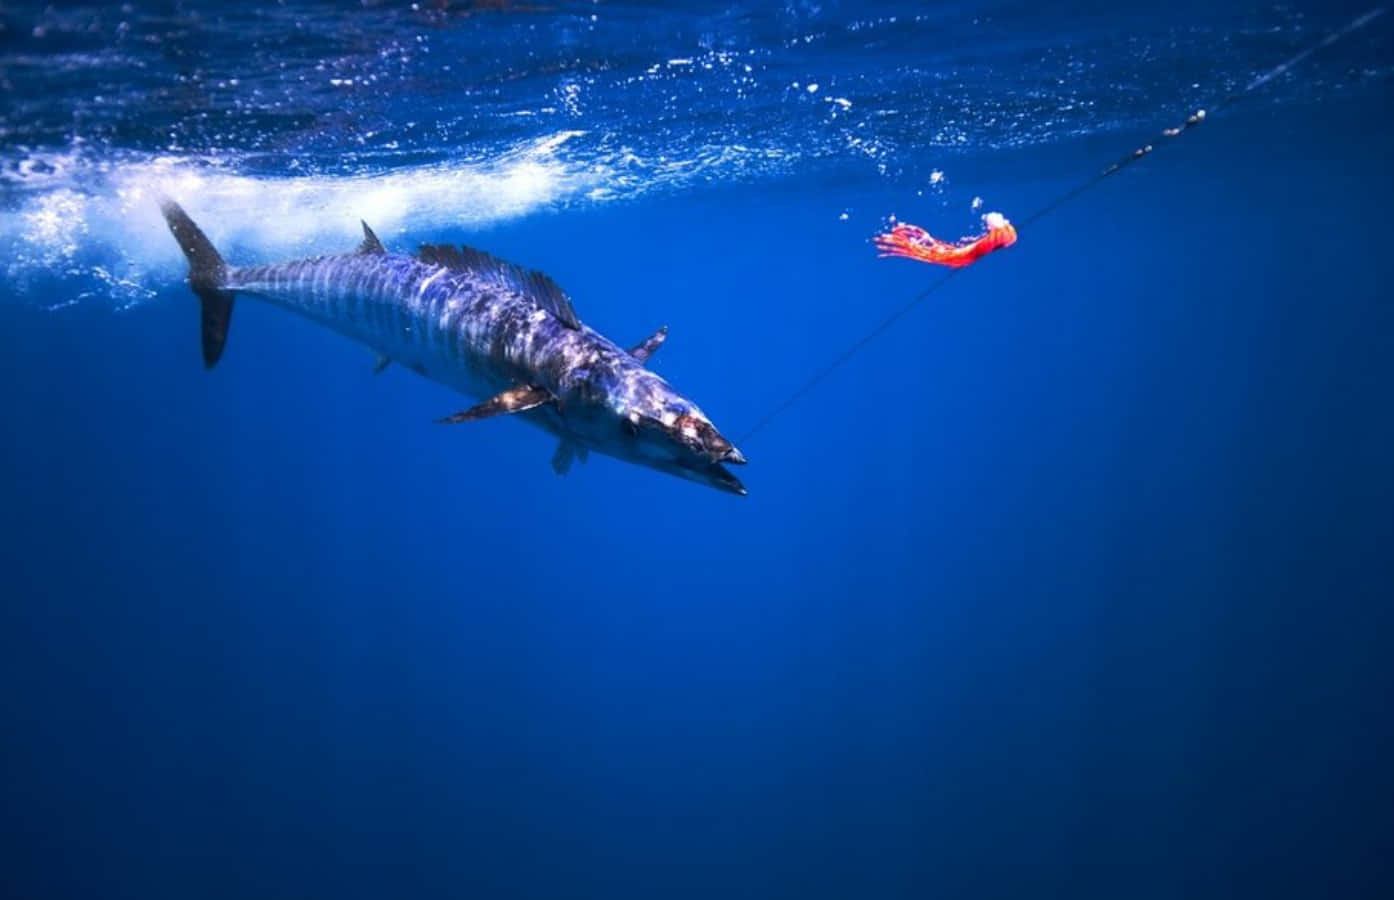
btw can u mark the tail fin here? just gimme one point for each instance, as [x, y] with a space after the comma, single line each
[207, 272]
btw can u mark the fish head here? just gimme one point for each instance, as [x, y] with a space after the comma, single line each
[643, 419]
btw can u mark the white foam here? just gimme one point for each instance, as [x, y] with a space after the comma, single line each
[75, 215]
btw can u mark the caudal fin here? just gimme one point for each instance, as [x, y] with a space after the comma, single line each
[207, 273]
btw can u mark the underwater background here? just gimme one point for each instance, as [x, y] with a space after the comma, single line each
[1075, 582]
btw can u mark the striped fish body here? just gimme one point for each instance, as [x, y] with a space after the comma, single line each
[475, 333]
[486, 328]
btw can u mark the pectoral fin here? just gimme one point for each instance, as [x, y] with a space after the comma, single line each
[515, 399]
[646, 349]
[381, 363]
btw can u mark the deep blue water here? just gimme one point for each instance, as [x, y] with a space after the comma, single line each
[1077, 582]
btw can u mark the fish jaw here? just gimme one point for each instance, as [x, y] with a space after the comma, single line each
[713, 475]
[633, 415]
[687, 466]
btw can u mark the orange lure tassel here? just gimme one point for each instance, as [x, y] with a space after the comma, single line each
[912, 242]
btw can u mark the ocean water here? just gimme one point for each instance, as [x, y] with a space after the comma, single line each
[1075, 582]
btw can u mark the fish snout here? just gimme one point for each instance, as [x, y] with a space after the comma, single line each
[703, 438]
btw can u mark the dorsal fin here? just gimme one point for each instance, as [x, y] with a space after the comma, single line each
[370, 244]
[546, 292]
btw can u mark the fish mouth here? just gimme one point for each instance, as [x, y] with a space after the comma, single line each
[702, 439]
[720, 477]
[707, 466]
[735, 457]
[694, 453]
[712, 474]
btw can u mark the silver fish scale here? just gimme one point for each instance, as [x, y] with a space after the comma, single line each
[458, 327]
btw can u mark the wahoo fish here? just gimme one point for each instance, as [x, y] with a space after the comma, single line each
[486, 328]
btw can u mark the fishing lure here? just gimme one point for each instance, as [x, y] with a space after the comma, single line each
[913, 242]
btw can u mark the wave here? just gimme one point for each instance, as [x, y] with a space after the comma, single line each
[90, 217]
[303, 121]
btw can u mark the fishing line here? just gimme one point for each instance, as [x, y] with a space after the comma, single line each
[1167, 135]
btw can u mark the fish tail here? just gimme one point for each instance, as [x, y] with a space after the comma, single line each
[207, 275]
